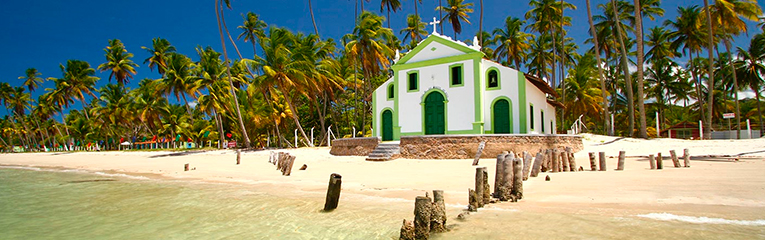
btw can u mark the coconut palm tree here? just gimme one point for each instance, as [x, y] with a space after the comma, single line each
[31, 79]
[546, 18]
[456, 12]
[601, 78]
[118, 61]
[750, 66]
[394, 5]
[539, 56]
[415, 29]
[710, 71]
[639, 61]
[161, 48]
[252, 29]
[79, 79]
[179, 78]
[687, 35]
[512, 42]
[625, 68]
[219, 5]
[584, 94]
[416, 2]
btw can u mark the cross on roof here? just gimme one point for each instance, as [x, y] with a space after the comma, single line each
[434, 22]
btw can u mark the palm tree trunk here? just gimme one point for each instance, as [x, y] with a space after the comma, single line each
[639, 36]
[218, 124]
[627, 77]
[295, 118]
[315, 29]
[415, 7]
[480, 26]
[388, 20]
[711, 81]
[606, 120]
[440, 16]
[756, 89]
[735, 89]
[697, 82]
[219, 16]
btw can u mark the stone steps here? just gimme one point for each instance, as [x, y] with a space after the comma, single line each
[384, 152]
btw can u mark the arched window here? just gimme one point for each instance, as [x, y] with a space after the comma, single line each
[493, 79]
[391, 92]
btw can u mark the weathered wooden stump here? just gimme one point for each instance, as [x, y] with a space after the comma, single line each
[547, 178]
[526, 165]
[486, 187]
[472, 200]
[620, 164]
[686, 158]
[272, 157]
[288, 166]
[479, 152]
[571, 159]
[186, 167]
[659, 161]
[407, 230]
[333, 192]
[593, 165]
[602, 158]
[422, 215]
[479, 186]
[517, 179]
[564, 161]
[675, 161]
[652, 161]
[499, 173]
[505, 191]
[438, 216]
[238, 157]
[555, 160]
[537, 164]
[304, 167]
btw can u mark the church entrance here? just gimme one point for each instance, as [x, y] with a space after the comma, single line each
[387, 125]
[501, 118]
[434, 114]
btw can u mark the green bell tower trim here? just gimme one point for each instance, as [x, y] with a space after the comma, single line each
[522, 106]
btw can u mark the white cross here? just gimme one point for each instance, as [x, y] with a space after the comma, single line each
[434, 22]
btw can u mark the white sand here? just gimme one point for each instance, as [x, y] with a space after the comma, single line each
[721, 187]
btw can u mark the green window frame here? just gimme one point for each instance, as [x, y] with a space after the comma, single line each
[456, 75]
[542, 120]
[493, 74]
[413, 81]
[531, 117]
[391, 92]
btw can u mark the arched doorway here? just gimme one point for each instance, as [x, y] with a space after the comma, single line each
[434, 114]
[387, 125]
[501, 120]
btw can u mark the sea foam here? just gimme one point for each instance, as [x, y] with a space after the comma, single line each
[701, 220]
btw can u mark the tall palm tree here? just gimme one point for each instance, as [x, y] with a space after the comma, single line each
[252, 29]
[393, 5]
[750, 65]
[456, 12]
[159, 52]
[710, 72]
[79, 79]
[416, 2]
[539, 56]
[179, 78]
[310, 9]
[415, 29]
[31, 79]
[512, 42]
[727, 15]
[211, 72]
[639, 36]
[625, 69]
[118, 61]
[688, 36]
[546, 18]
[604, 106]
[584, 94]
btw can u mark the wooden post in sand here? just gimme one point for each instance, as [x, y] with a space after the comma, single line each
[407, 231]
[620, 164]
[438, 215]
[686, 158]
[499, 172]
[593, 165]
[571, 159]
[238, 157]
[517, 191]
[652, 161]
[505, 191]
[659, 162]
[564, 160]
[675, 161]
[186, 167]
[526, 165]
[288, 165]
[422, 214]
[602, 158]
[479, 186]
[472, 200]
[333, 192]
[537, 164]
[486, 187]
[555, 160]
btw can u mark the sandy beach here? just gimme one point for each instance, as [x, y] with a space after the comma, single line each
[725, 180]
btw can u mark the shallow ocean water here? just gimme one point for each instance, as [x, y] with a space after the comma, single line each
[71, 204]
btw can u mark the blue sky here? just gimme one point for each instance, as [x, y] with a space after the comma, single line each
[43, 34]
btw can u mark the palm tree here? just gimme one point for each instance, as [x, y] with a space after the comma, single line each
[310, 9]
[625, 68]
[687, 35]
[79, 79]
[584, 94]
[210, 74]
[456, 12]
[750, 65]
[391, 5]
[539, 56]
[179, 79]
[594, 34]
[118, 61]
[710, 71]
[18, 102]
[31, 79]
[639, 36]
[727, 15]
[416, 2]
[512, 42]
[252, 29]
[415, 29]
[159, 52]
[546, 18]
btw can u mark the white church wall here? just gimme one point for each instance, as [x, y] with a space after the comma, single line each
[508, 78]
[537, 98]
[381, 103]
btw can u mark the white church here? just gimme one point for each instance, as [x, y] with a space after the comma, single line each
[446, 87]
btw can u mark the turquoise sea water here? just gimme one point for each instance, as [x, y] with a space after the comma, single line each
[71, 204]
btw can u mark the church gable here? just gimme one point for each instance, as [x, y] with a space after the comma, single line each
[434, 47]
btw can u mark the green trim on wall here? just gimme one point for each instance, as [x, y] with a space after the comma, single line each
[446, 109]
[510, 101]
[478, 97]
[388, 89]
[462, 132]
[531, 117]
[410, 134]
[396, 127]
[462, 75]
[417, 74]
[499, 79]
[375, 119]
[522, 103]
[437, 39]
[541, 121]
[437, 61]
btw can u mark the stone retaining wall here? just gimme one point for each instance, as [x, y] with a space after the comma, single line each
[465, 146]
[354, 146]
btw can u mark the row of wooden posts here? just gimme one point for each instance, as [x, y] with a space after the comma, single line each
[282, 160]
[429, 216]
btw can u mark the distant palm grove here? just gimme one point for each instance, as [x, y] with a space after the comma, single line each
[277, 85]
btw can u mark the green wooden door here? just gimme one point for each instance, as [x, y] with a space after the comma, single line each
[501, 118]
[387, 125]
[434, 114]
